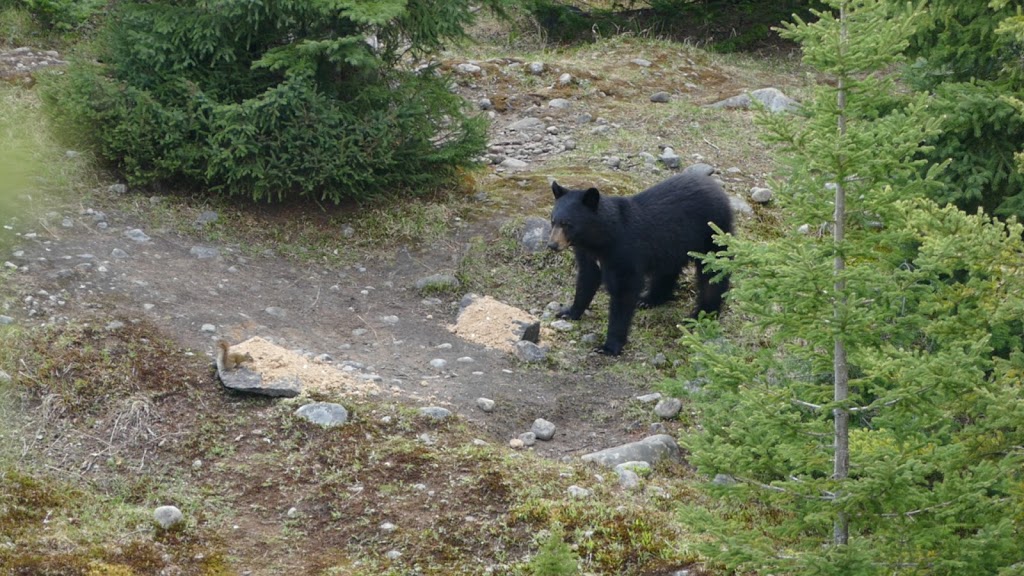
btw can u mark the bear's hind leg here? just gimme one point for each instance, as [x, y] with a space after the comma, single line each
[661, 290]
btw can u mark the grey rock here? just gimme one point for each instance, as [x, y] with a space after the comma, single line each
[652, 450]
[438, 363]
[465, 360]
[5, 320]
[117, 189]
[613, 162]
[242, 379]
[204, 252]
[513, 164]
[699, 169]
[485, 104]
[649, 398]
[393, 555]
[543, 429]
[575, 491]
[641, 62]
[804, 229]
[390, 319]
[527, 125]
[565, 79]
[136, 235]
[118, 254]
[559, 103]
[438, 282]
[669, 158]
[114, 325]
[528, 351]
[208, 328]
[485, 404]
[275, 311]
[293, 513]
[660, 97]
[436, 412]
[569, 144]
[668, 408]
[659, 360]
[628, 479]
[648, 158]
[536, 68]
[347, 231]
[528, 438]
[168, 516]
[207, 217]
[761, 195]
[772, 98]
[467, 68]
[536, 231]
[584, 118]
[723, 480]
[324, 413]
[562, 325]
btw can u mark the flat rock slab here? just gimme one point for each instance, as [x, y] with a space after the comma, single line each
[277, 371]
[652, 449]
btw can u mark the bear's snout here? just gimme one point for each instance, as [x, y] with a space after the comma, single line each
[558, 240]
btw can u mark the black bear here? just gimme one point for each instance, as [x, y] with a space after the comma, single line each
[624, 242]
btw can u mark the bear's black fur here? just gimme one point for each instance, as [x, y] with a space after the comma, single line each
[624, 241]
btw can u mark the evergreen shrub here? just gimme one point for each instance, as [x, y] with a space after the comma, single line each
[274, 100]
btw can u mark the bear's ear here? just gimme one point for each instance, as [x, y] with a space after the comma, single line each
[558, 190]
[591, 198]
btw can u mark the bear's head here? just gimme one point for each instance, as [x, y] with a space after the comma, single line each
[574, 217]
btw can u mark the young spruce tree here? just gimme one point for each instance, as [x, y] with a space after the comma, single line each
[870, 406]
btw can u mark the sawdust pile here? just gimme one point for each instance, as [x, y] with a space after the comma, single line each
[274, 362]
[494, 324]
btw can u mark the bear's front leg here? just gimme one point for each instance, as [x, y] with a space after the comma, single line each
[624, 295]
[588, 280]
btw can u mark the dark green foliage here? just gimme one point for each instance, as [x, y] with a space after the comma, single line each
[967, 56]
[554, 558]
[62, 15]
[927, 307]
[274, 100]
[725, 25]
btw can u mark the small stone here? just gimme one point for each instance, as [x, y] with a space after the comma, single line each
[467, 68]
[388, 527]
[575, 491]
[569, 144]
[293, 513]
[392, 555]
[649, 398]
[137, 235]
[660, 97]
[348, 231]
[613, 162]
[529, 352]
[700, 169]
[659, 360]
[391, 320]
[465, 360]
[5, 320]
[528, 438]
[804, 229]
[325, 414]
[485, 404]
[562, 325]
[669, 158]
[565, 79]
[513, 163]
[536, 68]
[761, 195]
[528, 124]
[208, 328]
[543, 429]
[436, 412]
[516, 443]
[117, 189]
[275, 311]
[118, 254]
[668, 408]
[560, 103]
[114, 325]
[168, 517]
[641, 62]
[485, 104]
[438, 363]
[204, 252]
[723, 480]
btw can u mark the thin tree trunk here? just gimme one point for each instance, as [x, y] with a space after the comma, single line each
[841, 468]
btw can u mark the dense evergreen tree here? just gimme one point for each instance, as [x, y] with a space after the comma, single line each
[870, 405]
[276, 98]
